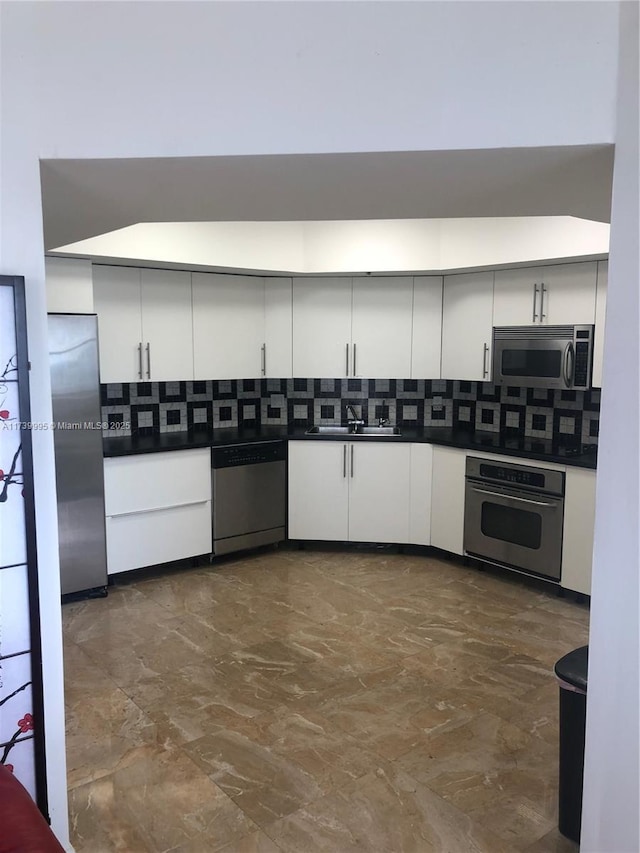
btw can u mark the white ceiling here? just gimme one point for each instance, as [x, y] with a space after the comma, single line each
[83, 198]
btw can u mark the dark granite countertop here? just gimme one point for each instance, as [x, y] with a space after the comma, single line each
[581, 456]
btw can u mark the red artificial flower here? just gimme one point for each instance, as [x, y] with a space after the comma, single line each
[4, 414]
[26, 724]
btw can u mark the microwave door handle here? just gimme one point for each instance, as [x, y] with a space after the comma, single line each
[568, 365]
[512, 497]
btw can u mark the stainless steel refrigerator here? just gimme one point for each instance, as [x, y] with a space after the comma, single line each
[75, 389]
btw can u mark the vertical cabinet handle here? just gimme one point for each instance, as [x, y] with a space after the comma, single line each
[148, 348]
[140, 360]
[352, 460]
[535, 299]
[354, 359]
[344, 460]
[485, 366]
[543, 293]
[263, 359]
[346, 364]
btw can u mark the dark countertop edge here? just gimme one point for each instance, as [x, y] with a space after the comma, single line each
[443, 437]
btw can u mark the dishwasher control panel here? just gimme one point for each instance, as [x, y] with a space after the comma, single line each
[248, 454]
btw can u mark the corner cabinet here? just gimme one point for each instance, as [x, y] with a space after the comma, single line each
[241, 326]
[557, 295]
[144, 324]
[158, 508]
[352, 491]
[467, 326]
[447, 498]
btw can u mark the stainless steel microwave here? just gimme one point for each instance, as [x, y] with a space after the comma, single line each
[543, 356]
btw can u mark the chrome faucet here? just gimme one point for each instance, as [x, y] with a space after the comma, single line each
[353, 421]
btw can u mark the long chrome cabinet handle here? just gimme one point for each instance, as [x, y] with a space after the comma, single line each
[344, 460]
[354, 359]
[346, 363]
[263, 359]
[148, 360]
[512, 498]
[485, 369]
[352, 461]
[535, 299]
[140, 360]
[543, 293]
[159, 508]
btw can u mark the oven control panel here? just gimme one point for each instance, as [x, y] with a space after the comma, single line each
[518, 476]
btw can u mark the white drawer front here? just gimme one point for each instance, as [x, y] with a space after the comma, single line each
[149, 538]
[156, 480]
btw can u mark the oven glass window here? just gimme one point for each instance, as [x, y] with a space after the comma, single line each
[519, 526]
[542, 363]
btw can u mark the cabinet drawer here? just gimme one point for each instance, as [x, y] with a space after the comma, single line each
[156, 480]
[149, 538]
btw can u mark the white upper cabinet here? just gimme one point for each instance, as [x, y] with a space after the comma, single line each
[560, 295]
[166, 325]
[241, 326]
[322, 327]
[352, 327]
[601, 307]
[467, 314]
[144, 324]
[381, 327]
[228, 326]
[426, 335]
[117, 301]
[278, 328]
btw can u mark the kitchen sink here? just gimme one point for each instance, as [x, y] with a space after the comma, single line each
[361, 431]
[329, 430]
[378, 430]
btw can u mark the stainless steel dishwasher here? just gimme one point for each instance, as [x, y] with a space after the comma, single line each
[249, 495]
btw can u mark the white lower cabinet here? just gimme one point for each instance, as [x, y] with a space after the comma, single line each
[447, 498]
[420, 494]
[579, 519]
[158, 508]
[349, 491]
[318, 490]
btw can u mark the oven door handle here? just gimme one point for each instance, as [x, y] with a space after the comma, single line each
[513, 497]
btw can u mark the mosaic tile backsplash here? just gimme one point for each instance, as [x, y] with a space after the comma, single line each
[146, 407]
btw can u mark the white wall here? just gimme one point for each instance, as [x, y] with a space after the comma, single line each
[177, 79]
[381, 245]
[240, 245]
[480, 242]
[610, 820]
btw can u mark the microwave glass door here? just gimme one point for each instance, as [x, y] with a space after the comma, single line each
[539, 363]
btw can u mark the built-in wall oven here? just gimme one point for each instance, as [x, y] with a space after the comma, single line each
[513, 516]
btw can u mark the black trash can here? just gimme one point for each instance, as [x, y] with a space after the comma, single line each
[572, 675]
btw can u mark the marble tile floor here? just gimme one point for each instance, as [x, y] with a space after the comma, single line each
[317, 700]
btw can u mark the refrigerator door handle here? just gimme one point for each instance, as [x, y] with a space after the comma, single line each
[140, 360]
[148, 348]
